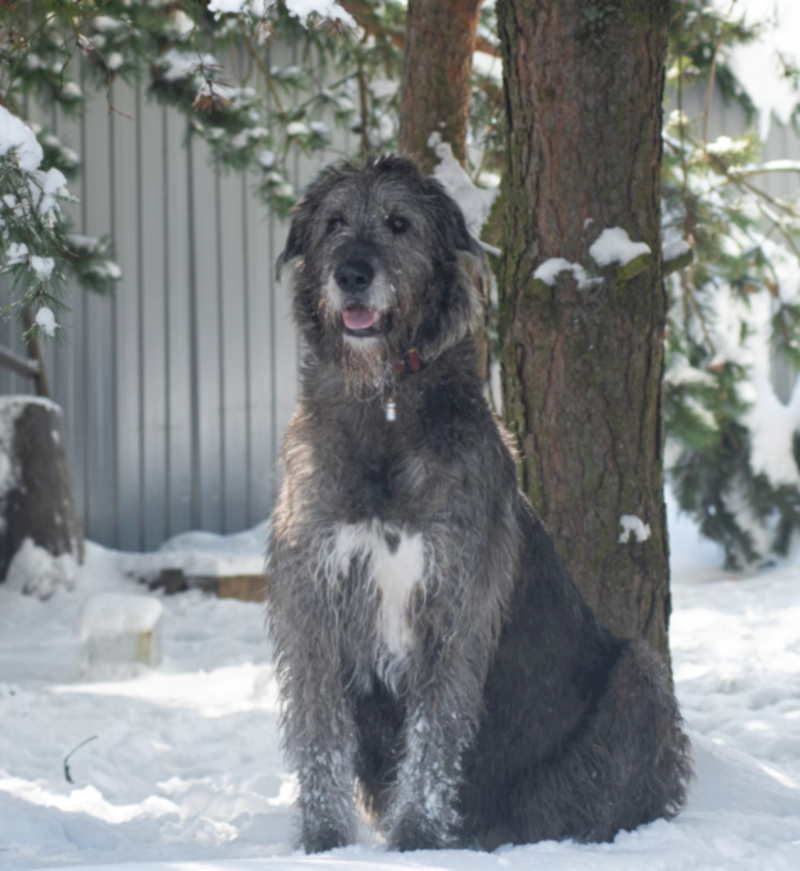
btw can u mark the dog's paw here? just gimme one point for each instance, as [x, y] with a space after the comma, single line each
[320, 839]
[414, 832]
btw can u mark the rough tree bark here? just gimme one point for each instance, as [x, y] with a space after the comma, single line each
[437, 75]
[582, 366]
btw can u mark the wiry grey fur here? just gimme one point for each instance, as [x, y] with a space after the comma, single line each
[430, 644]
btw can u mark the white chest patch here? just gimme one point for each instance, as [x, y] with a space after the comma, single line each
[395, 563]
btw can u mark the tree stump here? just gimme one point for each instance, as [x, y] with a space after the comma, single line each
[36, 499]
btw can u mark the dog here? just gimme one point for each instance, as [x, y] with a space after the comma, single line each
[431, 647]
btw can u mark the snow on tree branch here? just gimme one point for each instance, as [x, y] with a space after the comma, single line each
[34, 243]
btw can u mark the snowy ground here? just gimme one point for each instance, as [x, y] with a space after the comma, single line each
[186, 771]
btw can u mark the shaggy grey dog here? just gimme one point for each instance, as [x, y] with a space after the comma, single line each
[431, 647]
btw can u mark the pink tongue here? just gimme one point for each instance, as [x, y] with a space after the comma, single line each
[359, 317]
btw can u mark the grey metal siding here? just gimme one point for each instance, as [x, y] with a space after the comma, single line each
[176, 389]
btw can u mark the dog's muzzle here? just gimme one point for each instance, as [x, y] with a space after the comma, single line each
[354, 277]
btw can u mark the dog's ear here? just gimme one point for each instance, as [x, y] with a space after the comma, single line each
[295, 245]
[459, 238]
[469, 252]
[453, 223]
[298, 240]
[292, 249]
[462, 239]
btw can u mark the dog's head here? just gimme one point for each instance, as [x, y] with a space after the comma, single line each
[385, 263]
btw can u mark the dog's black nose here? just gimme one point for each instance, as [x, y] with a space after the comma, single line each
[354, 275]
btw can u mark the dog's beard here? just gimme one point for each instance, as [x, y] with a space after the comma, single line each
[364, 360]
[366, 366]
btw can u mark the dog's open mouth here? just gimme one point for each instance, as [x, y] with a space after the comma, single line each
[360, 320]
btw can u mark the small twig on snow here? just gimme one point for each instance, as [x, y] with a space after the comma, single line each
[67, 757]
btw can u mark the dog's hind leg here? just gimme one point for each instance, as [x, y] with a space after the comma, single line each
[580, 734]
[626, 765]
[637, 731]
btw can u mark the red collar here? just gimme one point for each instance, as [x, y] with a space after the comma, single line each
[411, 362]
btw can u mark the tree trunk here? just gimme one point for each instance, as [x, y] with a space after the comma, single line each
[437, 76]
[582, 361]
[36, 498]
[35, 353]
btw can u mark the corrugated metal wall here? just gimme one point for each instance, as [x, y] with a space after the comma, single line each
[176, 390]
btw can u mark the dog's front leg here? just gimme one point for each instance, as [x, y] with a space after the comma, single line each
[318, 726]
[326, 773]
[444, 702]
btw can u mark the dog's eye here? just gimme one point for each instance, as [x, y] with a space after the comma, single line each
[397, 224]
[334, 224]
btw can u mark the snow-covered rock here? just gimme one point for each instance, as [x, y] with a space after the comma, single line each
[120, 629]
